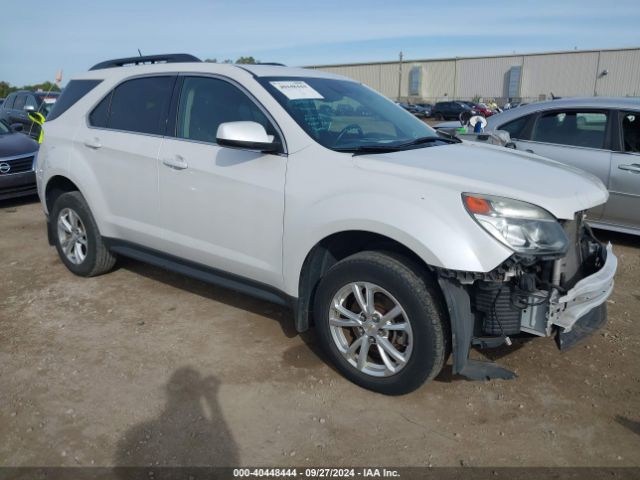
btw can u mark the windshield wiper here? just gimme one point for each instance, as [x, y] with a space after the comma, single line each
[423, 140]
[362, 149]
[395, 147]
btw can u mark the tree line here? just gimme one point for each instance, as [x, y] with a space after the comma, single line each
[242, 60]
[6, 88]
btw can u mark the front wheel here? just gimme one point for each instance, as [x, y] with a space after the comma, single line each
[381, 322]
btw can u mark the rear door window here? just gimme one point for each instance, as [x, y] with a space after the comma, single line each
[19, 104]
[574, 128]
[141, 105]
[631, 132]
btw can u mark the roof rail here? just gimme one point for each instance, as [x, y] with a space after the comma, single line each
[165, 58]
[276, 64]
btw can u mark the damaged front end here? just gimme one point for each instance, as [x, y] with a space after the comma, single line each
[562, 295]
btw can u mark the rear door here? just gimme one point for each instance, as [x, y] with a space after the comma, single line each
[121, 144]
[623, 207]
[578, 137]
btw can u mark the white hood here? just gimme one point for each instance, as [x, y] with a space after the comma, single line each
[476, 168]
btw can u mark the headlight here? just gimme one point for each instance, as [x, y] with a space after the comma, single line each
[521, 226]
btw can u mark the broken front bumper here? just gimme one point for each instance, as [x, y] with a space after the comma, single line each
[588, 294]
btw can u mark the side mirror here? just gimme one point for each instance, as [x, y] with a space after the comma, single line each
[17, 127]
[246, 135]
[29, 108]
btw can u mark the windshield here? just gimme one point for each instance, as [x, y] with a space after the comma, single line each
[344, 115]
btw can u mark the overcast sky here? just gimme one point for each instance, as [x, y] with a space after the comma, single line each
[73, 34]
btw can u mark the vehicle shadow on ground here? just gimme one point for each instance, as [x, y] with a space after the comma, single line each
[18, 202]
[312, 357]
[629, 424]
[190, 431]
[280, 314]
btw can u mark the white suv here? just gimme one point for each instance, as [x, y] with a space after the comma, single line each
[312, 190]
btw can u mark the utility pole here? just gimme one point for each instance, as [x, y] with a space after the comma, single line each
[400, 76]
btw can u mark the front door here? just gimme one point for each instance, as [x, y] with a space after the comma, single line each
[577, 138]
[623, 207]
[221, 207]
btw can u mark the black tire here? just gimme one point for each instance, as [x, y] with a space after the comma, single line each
[439, 117]
[98, 259]
[420, 298]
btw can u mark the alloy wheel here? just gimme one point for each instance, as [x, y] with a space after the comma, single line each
[370, 329]
[72, 236]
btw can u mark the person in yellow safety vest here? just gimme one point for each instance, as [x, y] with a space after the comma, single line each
[38, 119]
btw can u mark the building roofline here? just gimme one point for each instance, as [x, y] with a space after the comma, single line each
[474, 57]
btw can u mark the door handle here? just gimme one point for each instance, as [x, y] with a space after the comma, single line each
[634, 167]
[528, 150]
[93, 144]
[177, 163]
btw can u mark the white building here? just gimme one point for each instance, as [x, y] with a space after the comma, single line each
[529, 77]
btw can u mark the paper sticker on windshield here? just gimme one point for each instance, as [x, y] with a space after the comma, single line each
[297, 90]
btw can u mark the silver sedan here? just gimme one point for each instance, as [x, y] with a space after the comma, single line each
[600, 135]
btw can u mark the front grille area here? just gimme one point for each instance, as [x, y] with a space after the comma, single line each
[495, 308]
[16, 165]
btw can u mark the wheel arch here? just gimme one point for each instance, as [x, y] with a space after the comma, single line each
[333, 248]
[56, 185]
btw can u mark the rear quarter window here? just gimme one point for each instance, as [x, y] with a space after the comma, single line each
[74, 91]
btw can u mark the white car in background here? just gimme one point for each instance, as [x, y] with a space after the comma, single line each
[599, 135]
[311, 190]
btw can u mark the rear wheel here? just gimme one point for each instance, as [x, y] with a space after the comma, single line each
[77, 238]
[381, 322]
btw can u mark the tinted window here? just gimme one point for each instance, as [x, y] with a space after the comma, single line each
[20, 102]
[516, 127]
[141, 105]
[8, 103]
[631, 132]
[74, 91]
[31, 102]
[205, 103]
[580, 129]
[99, 117]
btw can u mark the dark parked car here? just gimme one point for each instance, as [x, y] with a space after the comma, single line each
[18, 105]
[416, 109]
[449, 110]
[17, 159]
[426, 108]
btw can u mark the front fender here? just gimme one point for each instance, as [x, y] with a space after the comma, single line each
[448, 240]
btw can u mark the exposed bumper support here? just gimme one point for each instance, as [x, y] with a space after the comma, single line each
[585, 296]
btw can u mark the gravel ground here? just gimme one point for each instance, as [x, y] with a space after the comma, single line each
[142, 366]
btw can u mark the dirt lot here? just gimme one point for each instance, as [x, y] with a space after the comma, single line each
[142, 366]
